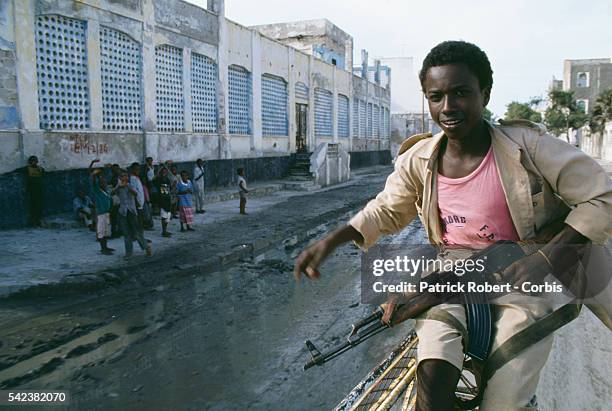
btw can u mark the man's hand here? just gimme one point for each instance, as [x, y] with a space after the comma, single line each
[532, 268]
[309, 260]
[389, 308]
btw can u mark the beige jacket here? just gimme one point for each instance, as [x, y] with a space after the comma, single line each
[541, 176]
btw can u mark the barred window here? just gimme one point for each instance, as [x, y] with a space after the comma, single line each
[121, 67]
[203, 94]
[343, 116]
[387, 124]
[323, 113]
[61, 65]
[376, 122]
[169, 88]
[274, 106]
[355, 118]
[362, 119]
[369, 133]
[239, 82]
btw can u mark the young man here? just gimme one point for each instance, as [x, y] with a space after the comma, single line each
[128, 216]
[34, 187]
[103, 203]
[184, 191]
[141, 198]
[242, 190]
[505, 182]
[198, 186]
[163, 184]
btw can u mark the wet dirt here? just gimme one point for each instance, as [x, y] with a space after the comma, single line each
[232, 339]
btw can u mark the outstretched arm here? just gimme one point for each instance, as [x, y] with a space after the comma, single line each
[310, 259]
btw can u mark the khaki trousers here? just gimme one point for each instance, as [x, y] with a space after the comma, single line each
[513, 386]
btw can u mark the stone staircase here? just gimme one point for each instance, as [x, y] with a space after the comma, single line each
[299, 177]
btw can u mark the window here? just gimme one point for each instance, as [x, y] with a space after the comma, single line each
[362, 119]
[240, 111]
[343, 116]
[583, 104]
[274, 106]
[582, 79]
[203, 93]
[323, 113]
[121, 68]
[376, 122]
[169, 88]
[369, 132]
[355, 118]
[61, 65]
[387, 124]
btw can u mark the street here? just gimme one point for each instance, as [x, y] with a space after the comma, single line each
[228, 339]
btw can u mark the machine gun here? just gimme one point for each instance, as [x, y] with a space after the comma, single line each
[498, 256]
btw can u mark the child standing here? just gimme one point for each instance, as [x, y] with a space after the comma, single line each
[128, 216]
[103, 203]
[184, 191]
[163, 186]
[242, 190]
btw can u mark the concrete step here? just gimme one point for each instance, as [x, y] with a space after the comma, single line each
[300, 173]
[305, 185]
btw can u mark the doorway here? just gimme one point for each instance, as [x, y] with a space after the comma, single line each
[301, 120]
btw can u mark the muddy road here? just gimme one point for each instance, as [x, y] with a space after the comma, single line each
[228, 340]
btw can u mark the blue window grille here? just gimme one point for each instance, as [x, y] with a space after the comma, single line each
[239, 82]
[301, 91]
[323, 112]
[362, 119]
[274, 106]
[61, 65]
[376, 122]
[387, 124]
[343, 116]
[169, 88]
[355, 118]
[369, 133]
[203, 94]
[121, 67]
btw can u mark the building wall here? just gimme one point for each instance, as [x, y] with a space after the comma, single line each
[154, 26]
[598, 74]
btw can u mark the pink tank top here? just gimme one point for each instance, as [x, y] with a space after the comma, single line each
[473, 209]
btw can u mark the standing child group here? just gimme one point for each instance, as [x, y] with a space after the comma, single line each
[125, 207]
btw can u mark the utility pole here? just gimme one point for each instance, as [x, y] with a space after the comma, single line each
[422, 112]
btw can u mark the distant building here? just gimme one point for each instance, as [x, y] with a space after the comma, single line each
[409, 111]
[123, 80]
[320, 38]
[587, 78]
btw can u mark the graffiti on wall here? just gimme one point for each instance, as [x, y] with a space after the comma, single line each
[83, 144]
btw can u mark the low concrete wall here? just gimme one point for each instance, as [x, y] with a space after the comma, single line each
[597, 145]
[369, 158]
[59, 186]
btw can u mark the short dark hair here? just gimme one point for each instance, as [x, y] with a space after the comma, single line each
[239, 170]
[456, 52]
